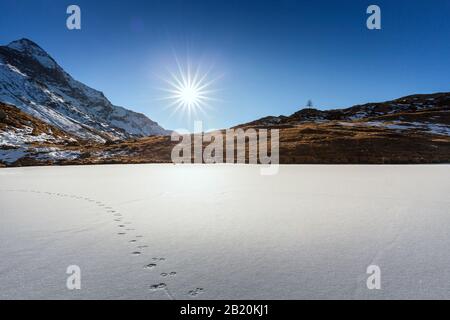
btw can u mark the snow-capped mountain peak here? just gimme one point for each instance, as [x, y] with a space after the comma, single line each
[31, 49]
[34, 82]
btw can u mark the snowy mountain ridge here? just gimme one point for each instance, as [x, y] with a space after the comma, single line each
[32, 80]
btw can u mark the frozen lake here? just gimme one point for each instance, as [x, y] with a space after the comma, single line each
[225, 232]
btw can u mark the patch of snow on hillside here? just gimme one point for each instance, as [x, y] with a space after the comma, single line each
[14, 69]
[359, 115]
[438, 128]
[18, 137]
[55, 154]
[112, 153]
[433, 128]
[12, 155]
[53, 96]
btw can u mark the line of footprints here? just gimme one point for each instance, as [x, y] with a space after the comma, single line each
[124, 227]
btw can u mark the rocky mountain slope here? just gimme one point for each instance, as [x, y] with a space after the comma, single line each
[31, 80]
[22, 135]
[26, 140]
[428, 113]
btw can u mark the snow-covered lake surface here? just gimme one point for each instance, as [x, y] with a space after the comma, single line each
[225, 232]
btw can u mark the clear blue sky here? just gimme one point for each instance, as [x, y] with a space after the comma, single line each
[273, 55]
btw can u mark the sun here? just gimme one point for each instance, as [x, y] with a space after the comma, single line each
[189, 90]
[190, 96]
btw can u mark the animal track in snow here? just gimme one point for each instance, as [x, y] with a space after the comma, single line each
[158, 286]
[171, 274]
[196, 292]
[118, 217]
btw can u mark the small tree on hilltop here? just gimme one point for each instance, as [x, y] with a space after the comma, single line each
[309, 104]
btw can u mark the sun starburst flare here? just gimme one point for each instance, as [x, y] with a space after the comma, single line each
[189, 92]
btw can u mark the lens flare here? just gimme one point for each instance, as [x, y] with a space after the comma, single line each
[189, 92]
